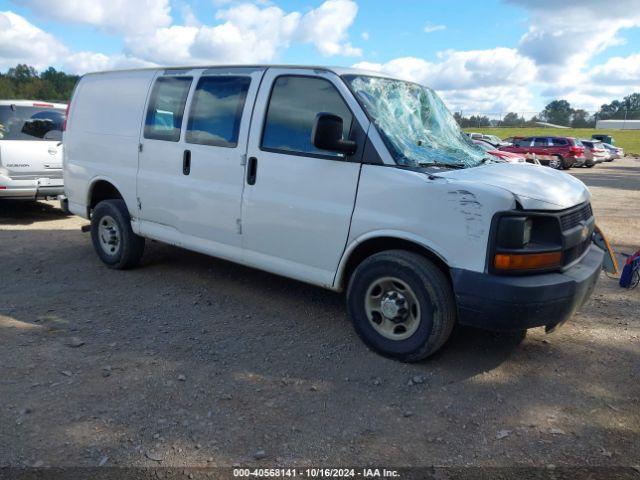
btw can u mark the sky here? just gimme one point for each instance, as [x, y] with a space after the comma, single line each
[489, 56]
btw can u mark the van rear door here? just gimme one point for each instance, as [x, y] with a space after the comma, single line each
[30, 142]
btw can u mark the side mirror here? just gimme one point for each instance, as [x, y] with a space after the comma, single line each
[327, 134]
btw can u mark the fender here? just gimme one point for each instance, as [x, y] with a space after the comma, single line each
[397, 234]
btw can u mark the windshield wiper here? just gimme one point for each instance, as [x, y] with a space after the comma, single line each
[442, 164]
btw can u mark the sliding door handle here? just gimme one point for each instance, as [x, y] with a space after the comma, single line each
[186, 162]
[252, 170]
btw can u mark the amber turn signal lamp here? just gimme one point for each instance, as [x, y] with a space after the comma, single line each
[527, 261]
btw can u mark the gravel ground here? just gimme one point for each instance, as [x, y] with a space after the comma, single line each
[192, 361]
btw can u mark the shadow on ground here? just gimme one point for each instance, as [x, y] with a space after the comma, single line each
[21, 212]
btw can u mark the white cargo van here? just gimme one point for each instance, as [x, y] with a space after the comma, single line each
[341, 178]
[31, 149]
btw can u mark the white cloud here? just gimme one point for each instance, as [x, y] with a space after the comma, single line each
[618, 71]
[480, 80]
[83, 62]
[463, 69]
[119, 16]
[249, 33]
[430, 28]
[243, 33]
[365, 35]
[564, 36]
[23, 42]
[326, 27]
[614, 79]
[170, 45]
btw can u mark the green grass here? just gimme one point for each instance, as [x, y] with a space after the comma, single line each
[627, 139]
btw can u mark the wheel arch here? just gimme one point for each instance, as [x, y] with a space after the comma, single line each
[101, 189]
[364, 247]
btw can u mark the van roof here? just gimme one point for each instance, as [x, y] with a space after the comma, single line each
[33, 103]
[336, 70]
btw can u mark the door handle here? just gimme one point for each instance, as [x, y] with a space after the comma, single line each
[252, 170]
[186, 162]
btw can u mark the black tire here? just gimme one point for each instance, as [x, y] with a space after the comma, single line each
[128, 251]
[562, 165]
[431, 289]
[589, 165]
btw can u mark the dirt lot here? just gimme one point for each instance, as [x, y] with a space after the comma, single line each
[193, 361]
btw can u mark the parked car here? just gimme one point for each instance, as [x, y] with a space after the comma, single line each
[595, 151]
[509, 140]
[502, 155]
[31, 149]
[492, 139]
[603, 138]
[335, 177]
[614, 152]
[555, 152]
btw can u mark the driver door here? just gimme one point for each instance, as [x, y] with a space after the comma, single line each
[297, 199]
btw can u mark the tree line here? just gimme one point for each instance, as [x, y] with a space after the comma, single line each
[24, 82]
[560, 112]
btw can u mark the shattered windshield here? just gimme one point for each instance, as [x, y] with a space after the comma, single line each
[415, 124]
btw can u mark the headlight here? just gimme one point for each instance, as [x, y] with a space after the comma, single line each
[526, 243]
[514, 232]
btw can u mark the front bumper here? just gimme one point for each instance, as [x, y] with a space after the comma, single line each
[30, 189]
[497, 302]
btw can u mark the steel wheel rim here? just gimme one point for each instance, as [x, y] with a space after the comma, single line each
[109, 235]
[392, 308]
[556, 163]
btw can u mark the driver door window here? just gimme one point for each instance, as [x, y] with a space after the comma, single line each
[295, 101]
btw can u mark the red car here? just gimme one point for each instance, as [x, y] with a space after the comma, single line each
[502, 155]
[556, 152]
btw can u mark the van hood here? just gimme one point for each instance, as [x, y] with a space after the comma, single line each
[535, 187]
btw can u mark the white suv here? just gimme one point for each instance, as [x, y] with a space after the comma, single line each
[337, 177]
[31, 149]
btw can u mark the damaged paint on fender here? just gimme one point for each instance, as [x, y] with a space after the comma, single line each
[467, 204]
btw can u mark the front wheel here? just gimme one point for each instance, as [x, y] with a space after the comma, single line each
[401, 305]
[112, 237]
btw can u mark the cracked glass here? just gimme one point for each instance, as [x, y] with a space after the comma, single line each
[414, 123]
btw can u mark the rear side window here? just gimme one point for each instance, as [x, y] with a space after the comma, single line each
[523, 142]
[294, 104]
[166, 108]
[30, 123]
[541, 142]
[559, 142]
[216, 111]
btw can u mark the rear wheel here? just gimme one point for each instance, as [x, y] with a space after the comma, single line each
[401, 305]
[112, 237]
[556, 163]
